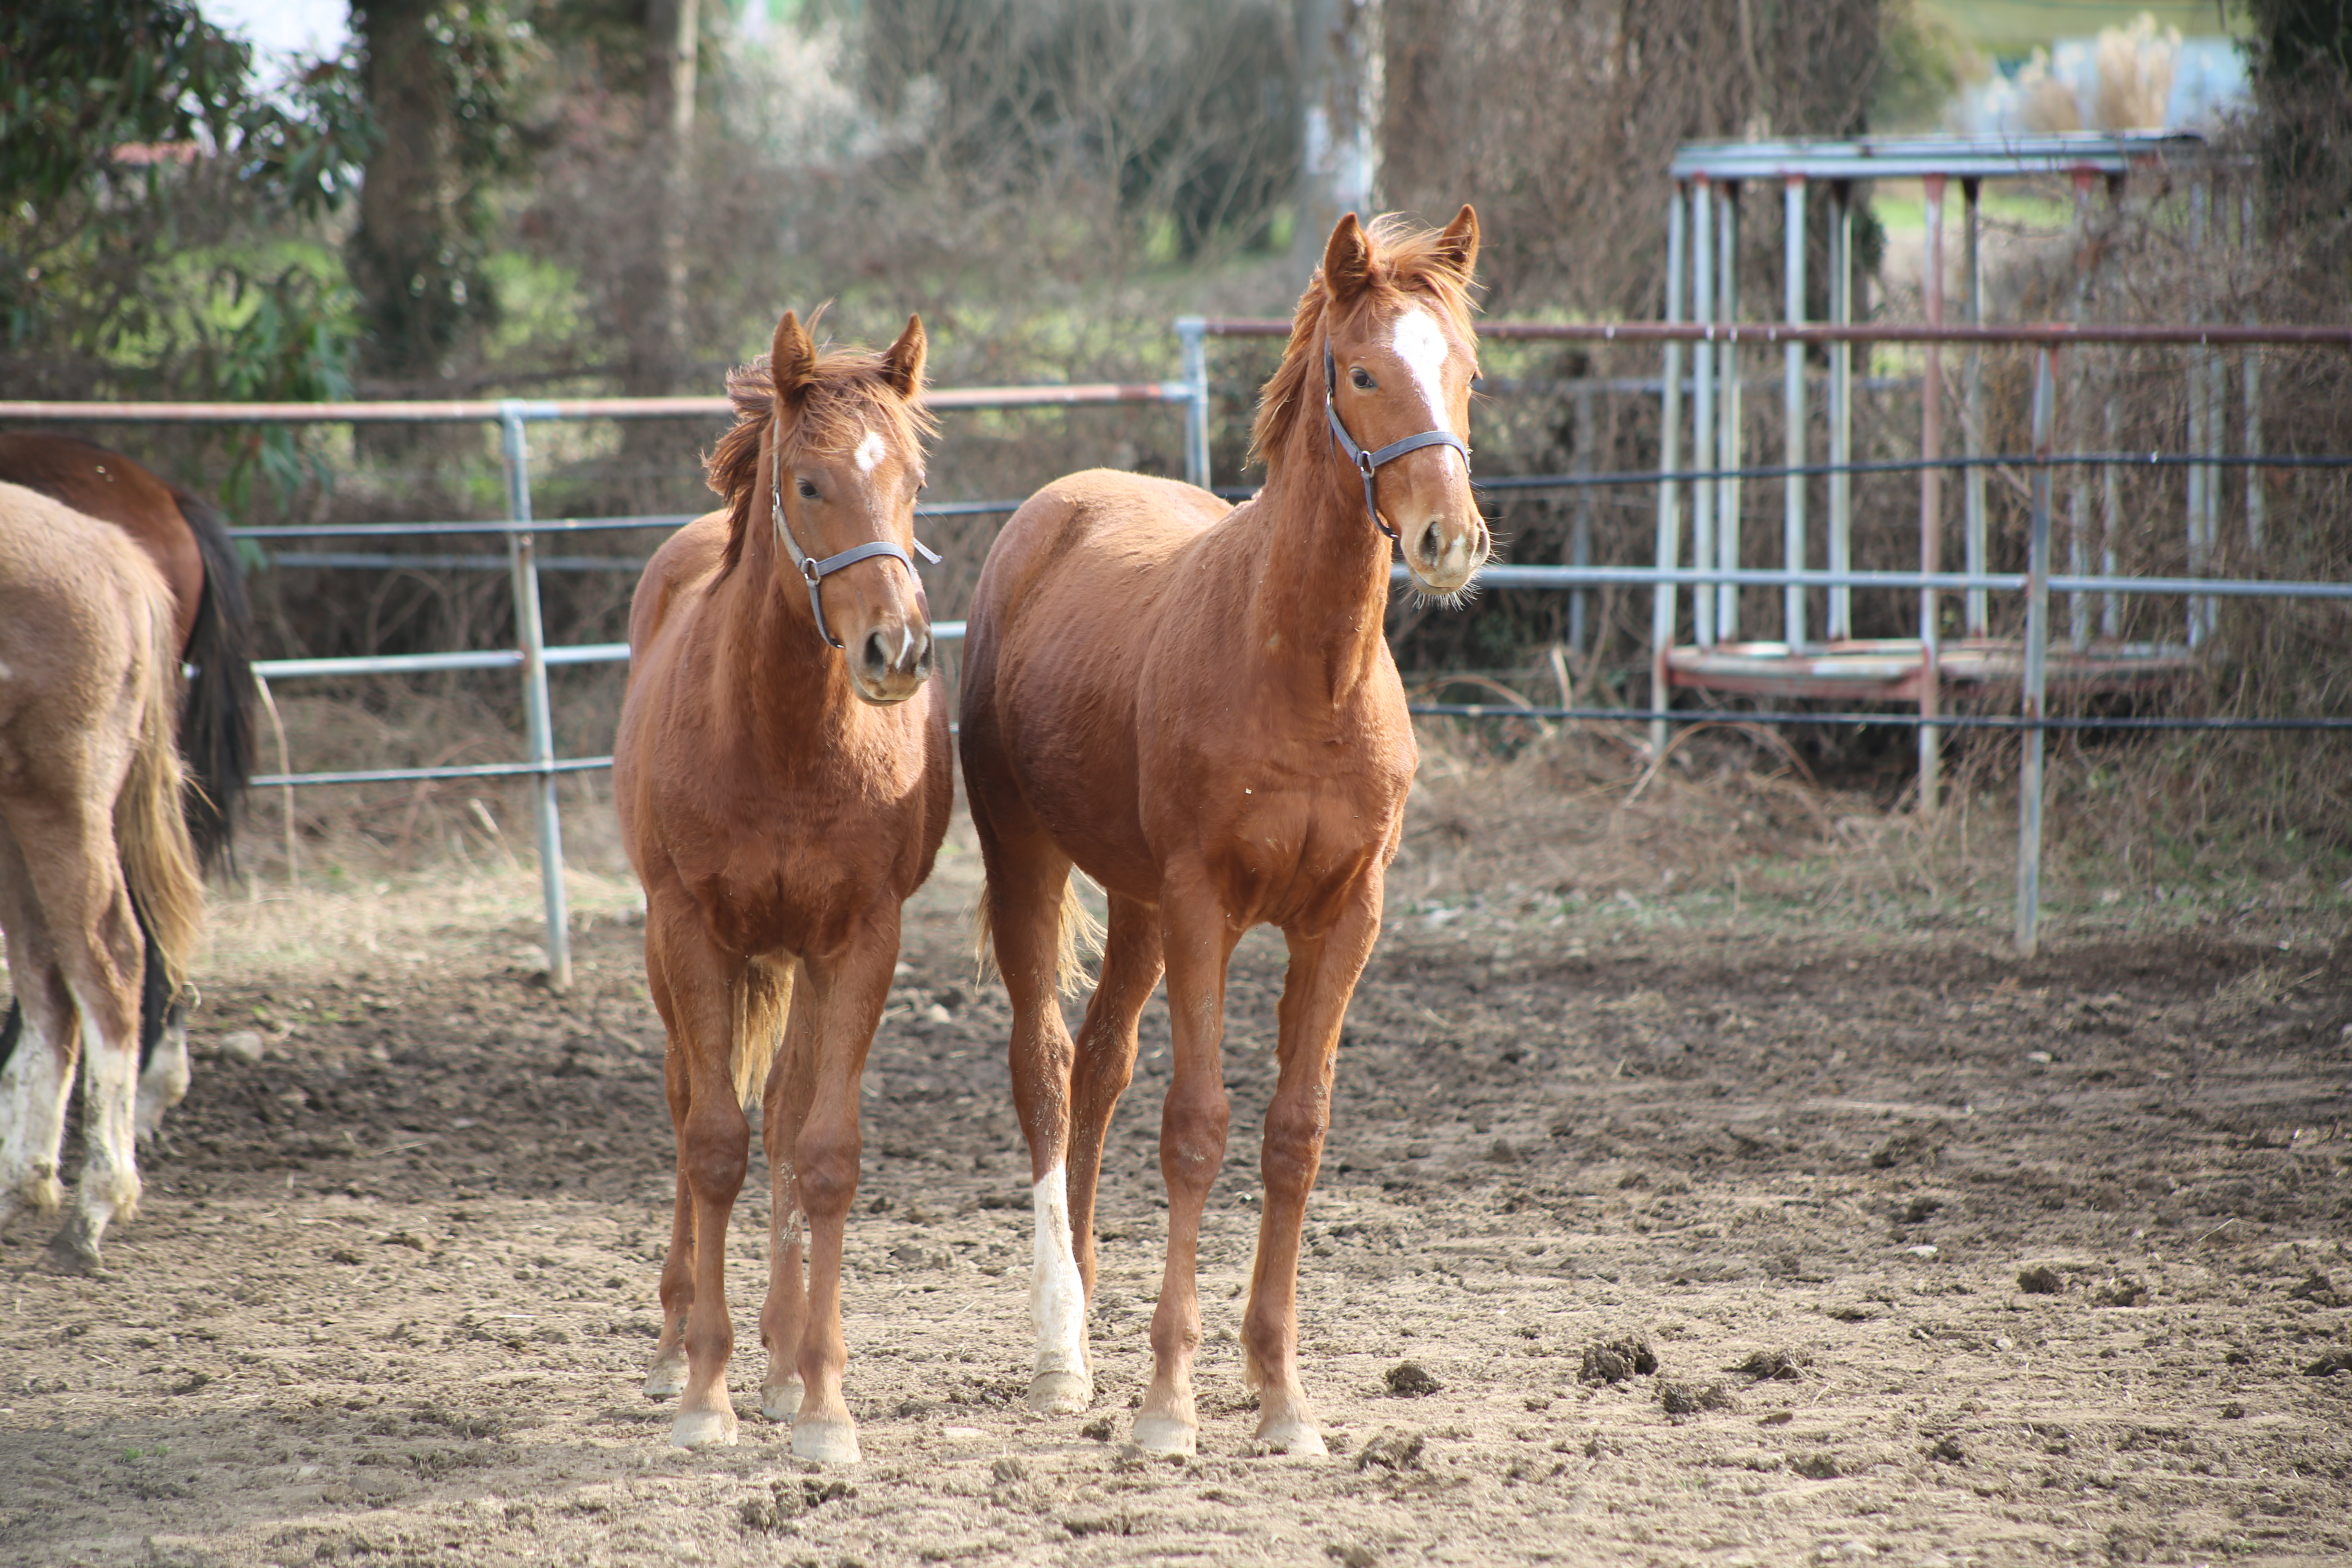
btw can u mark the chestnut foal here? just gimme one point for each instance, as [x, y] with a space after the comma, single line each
[781, 775]
[1197, 707]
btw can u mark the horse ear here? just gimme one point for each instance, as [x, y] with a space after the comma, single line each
[1347, 260]
[792, 359]
[904, 362]
[1458, 246]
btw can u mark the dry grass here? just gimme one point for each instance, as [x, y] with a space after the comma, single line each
[1525, 817]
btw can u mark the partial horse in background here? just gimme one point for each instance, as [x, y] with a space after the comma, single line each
[1195, 704]
[781, 772]
[99, 878]
[213, 627]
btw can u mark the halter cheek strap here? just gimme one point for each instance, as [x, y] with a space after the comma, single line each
[1367, 462]
[814, 570]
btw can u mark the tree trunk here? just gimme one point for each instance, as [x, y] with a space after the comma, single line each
[1418, 138]
[656, 458]
[655, 285]
[404, 254]
[1338, 86]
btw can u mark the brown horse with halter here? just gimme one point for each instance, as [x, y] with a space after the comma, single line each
[781, 772]
[1197, 707]
[189, 544]
[99, 882]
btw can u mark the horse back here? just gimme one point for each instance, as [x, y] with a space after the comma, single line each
[1065, 615]
[78, 600]
[111, 488]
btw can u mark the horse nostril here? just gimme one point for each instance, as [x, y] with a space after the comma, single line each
[877, 658]
[1431, 547]
[923, 658]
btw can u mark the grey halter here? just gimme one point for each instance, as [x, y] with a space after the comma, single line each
[816, 572]
[1366, 462]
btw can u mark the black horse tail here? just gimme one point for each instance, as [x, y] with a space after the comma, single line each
[216, 714]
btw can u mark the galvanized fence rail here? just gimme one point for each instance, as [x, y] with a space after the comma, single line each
[532, 657]
[1718, 577]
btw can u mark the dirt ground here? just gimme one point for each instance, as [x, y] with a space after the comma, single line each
[1941, 1256]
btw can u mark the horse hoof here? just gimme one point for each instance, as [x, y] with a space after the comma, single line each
[1061, 1393]
[666, 1379]
[73, 1250]
[703, 1429]
[782, 1401]
[826, 1442]
[1298, 1439]
[1164, 1436]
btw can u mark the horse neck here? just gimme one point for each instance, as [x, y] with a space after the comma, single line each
[1322, 588]
[785, 683]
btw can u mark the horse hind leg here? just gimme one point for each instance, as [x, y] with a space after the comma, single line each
[36, 1079]
[100, 965]
[163, 1044]
[1028, 887]
[1105, 1063]
[38, 1075]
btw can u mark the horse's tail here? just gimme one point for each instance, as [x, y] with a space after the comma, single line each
[151, 829]
[216, 715]
[764, 1001]
[1078, 935]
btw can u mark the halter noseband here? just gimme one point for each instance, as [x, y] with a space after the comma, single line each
[1366, 462]
[814, 571]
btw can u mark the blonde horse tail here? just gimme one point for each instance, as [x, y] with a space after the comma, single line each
[1077, 936]
[764, 1002]
[151, 824]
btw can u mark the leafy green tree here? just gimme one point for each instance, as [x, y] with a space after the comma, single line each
[158, 209]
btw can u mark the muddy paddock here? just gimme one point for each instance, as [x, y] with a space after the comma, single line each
[1667, 1229]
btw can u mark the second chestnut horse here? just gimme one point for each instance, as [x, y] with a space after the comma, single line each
[1197, 706]
[781, 775]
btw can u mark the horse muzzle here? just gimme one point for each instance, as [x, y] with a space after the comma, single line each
[1442, 554]
[890, 664]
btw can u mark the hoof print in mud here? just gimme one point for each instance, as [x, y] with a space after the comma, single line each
[1389, 1450]
[1773, 1365]
[1409, 1380]
[1614, 1361]
[1689, 1399]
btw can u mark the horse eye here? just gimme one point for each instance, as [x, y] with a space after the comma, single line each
[808, 490]
[1362, 378]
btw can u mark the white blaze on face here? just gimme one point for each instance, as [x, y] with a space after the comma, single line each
[1420, 341]
[870, 452]
[1057, 1299]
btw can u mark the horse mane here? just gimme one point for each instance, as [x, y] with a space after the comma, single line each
[849, 394]
[1406, 260]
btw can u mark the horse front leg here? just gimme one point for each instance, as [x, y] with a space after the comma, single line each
[784, 1106]
[849, 987]
[1324, 968]
[1199, 943]
[666, 1377]
[714, 1145]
